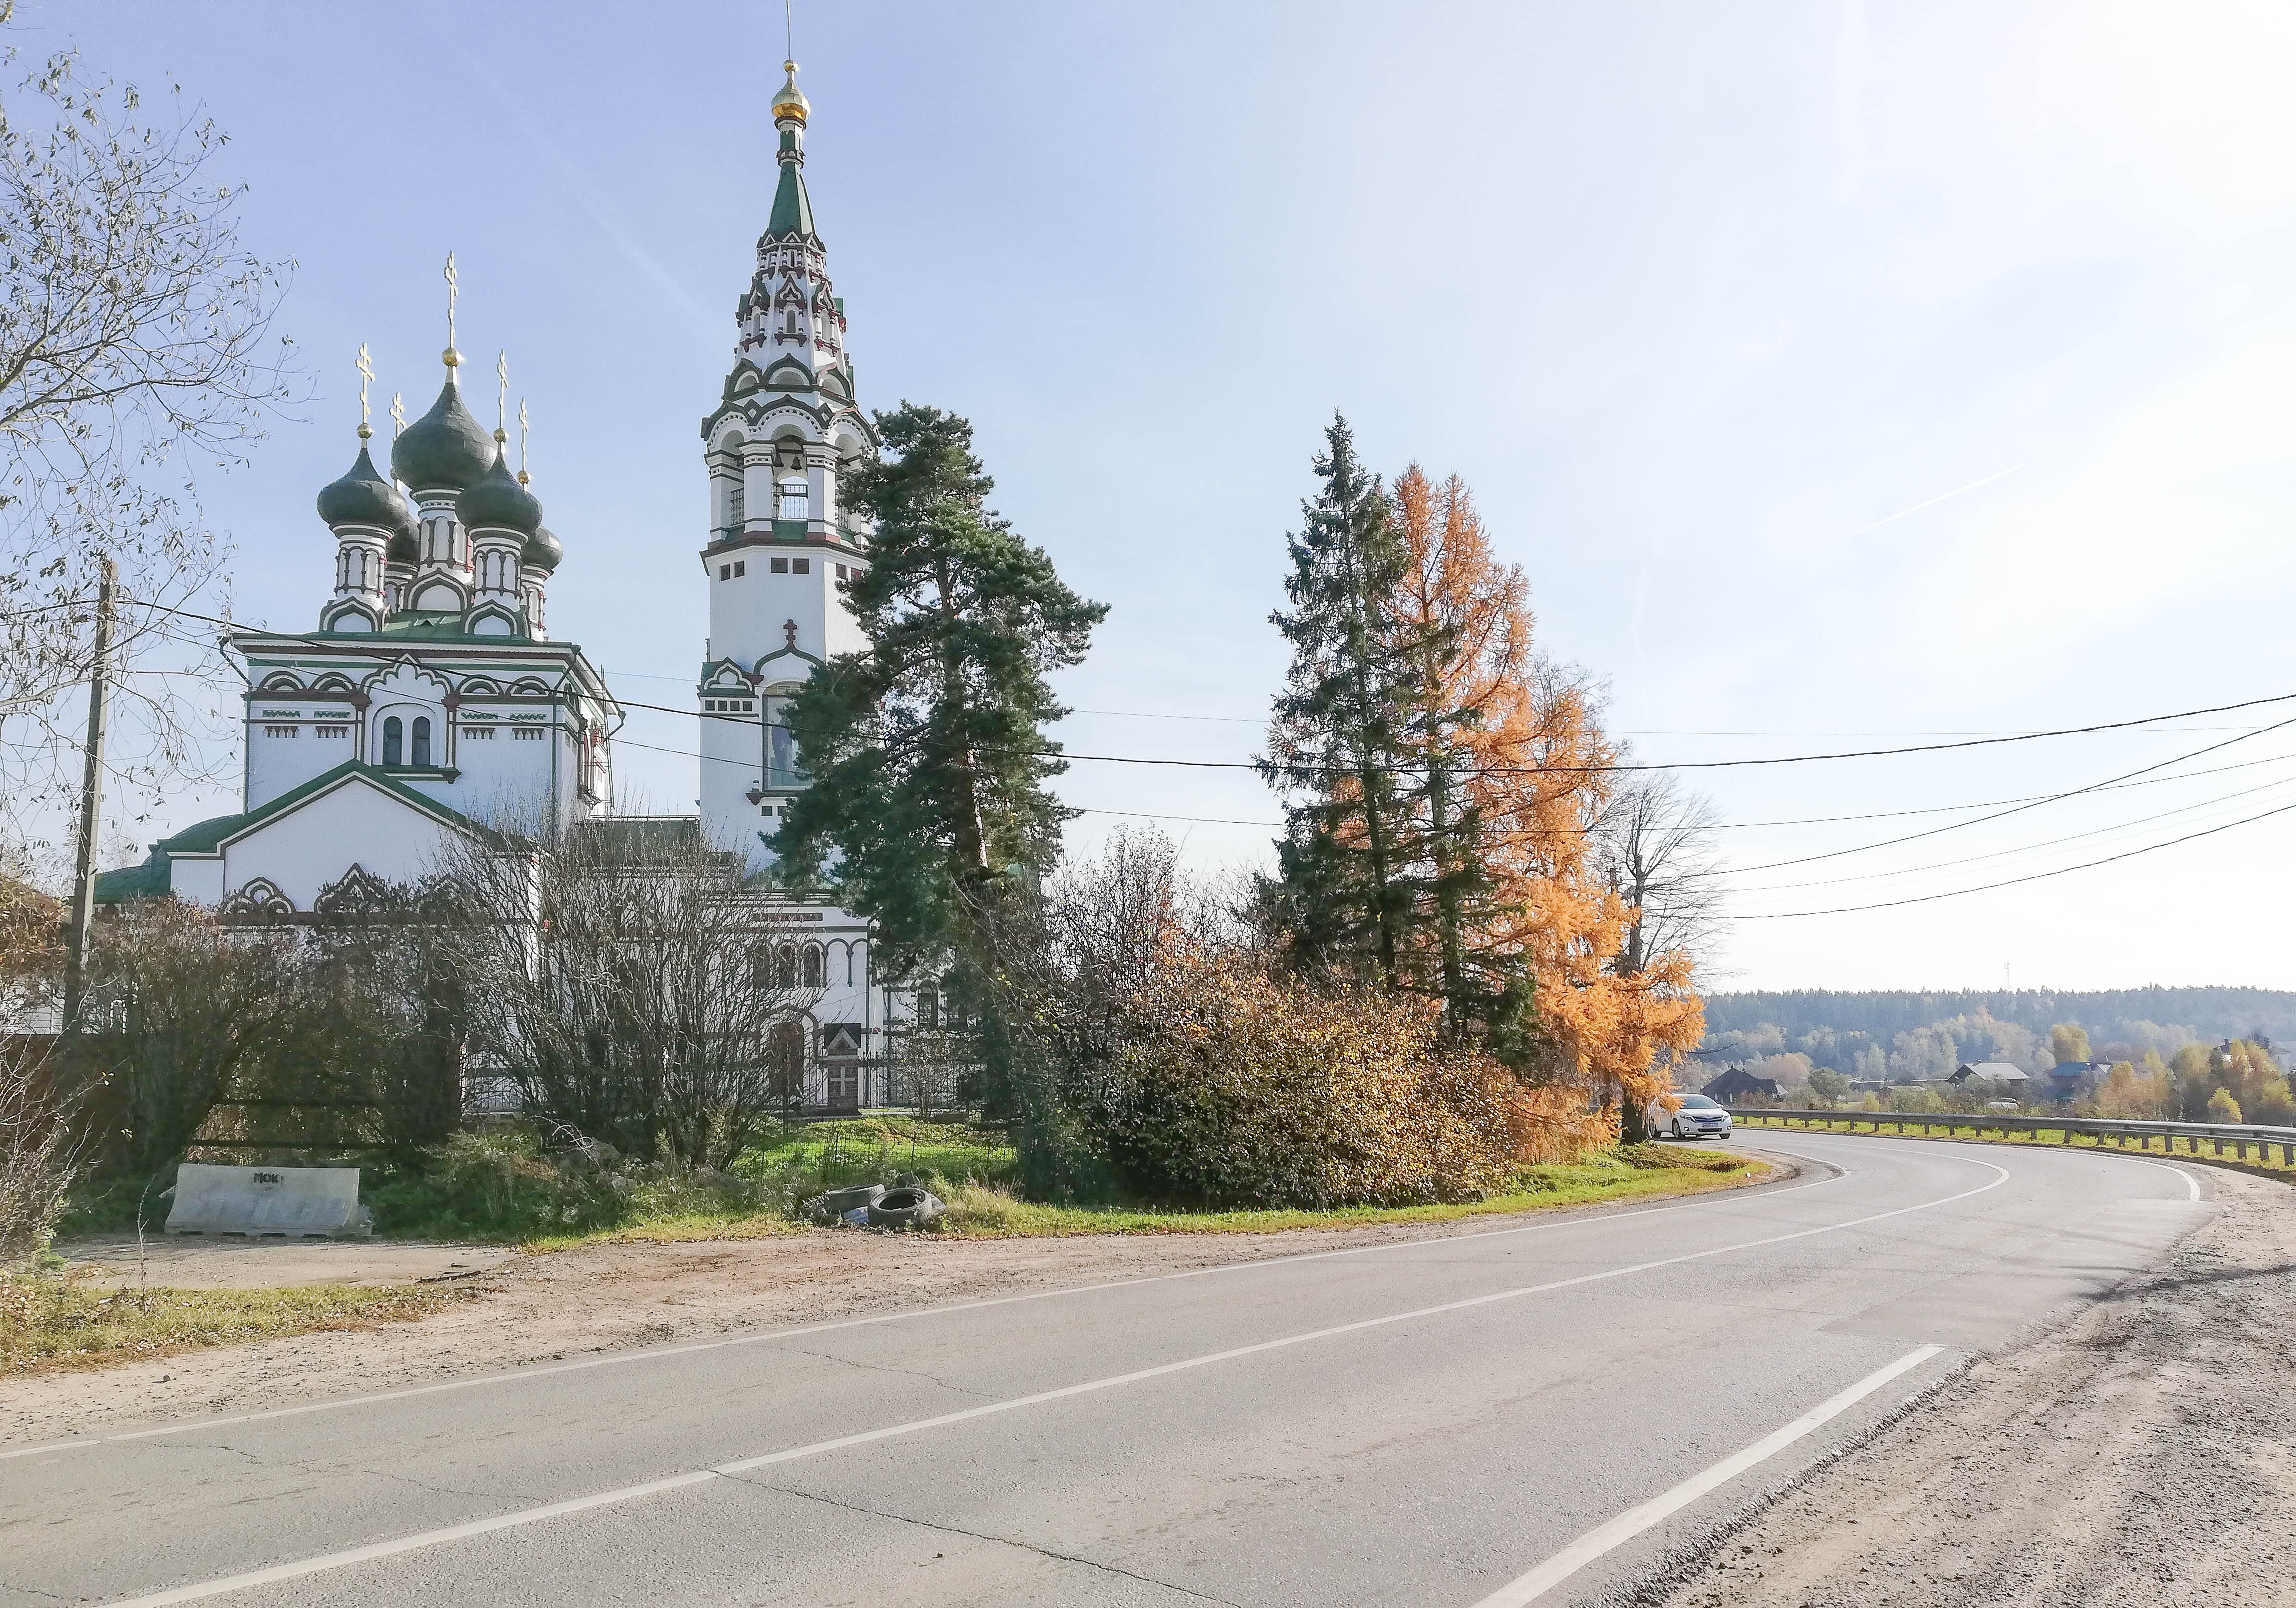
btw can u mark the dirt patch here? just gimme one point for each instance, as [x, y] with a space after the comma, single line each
[2143, 1456]
[617, 1296]
[204, 1262]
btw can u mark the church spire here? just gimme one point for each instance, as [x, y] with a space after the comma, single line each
[792, 207]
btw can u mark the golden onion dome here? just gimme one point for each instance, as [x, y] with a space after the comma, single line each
[790, 101]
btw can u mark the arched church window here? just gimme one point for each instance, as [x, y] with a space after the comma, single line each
[422, 755]
[813, 966]
[785, 966]
[795, 503]
[782, 768]
[394, 737]
[785, 1060]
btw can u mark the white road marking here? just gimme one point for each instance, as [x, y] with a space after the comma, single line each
[519, 1517]
[1632, 1523]
[521, 1375]
[2190, 1183]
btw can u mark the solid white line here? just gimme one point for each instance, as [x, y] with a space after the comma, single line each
[1632, 1523]
[631, 1493]
[521, 1375]
[2192, 1184]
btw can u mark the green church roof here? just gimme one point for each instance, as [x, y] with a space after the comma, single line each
[155, 877]
[792, 207]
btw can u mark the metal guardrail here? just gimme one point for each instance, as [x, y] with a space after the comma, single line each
[2238, 1134]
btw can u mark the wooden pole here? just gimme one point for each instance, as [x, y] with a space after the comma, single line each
[91, 809]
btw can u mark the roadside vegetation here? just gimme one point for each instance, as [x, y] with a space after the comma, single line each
[57, 1322]
[2239, 1081]
[987, 1202]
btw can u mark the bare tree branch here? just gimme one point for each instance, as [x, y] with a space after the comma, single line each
[1655, 840]
[135, 346]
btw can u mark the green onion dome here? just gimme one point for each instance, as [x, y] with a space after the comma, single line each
[444, 450]
[363, 497]
[542, 551]
[496, 501]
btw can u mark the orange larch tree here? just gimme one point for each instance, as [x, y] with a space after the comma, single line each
[1518, 931]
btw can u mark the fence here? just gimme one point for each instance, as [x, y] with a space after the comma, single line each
[2238, 1134]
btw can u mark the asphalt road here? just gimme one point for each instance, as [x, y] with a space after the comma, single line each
[1419, 1423]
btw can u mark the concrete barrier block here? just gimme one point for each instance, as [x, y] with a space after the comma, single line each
[296, 1201]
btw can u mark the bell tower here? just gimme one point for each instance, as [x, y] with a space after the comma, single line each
[778, 445]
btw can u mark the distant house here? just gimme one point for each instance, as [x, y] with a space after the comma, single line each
[1737, 1083]
[2065, 1078]
[1991, 1071]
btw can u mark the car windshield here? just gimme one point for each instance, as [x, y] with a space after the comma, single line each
[1698, 1103]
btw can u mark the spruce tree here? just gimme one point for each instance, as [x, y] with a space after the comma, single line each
[927, 751]
[1345, 887]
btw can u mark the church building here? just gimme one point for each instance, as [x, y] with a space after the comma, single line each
[431, 702]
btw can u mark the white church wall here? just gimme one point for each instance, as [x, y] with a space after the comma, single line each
[285, 749]
[196, 881]
[313, 844]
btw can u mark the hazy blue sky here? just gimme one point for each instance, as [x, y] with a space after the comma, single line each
[1838, 372]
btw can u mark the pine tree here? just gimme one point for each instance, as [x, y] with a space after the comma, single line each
[1344, 891]
[927, 750]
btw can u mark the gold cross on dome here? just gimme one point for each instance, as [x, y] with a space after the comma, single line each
[522, 428]
[453, 286]
[366, 375]
[502, 389]
[397, 415]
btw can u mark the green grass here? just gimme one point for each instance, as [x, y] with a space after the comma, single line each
[865, 1148]
[50, 1321]
[2047, 1138]
[992, 1210]
[978, 1212]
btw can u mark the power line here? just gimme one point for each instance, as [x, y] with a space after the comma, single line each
[1871, 876]
[1928, 899]
[1488, 770]
[1589, 770]
[1147, 814]
[1936, 809]
[1836, 854]
[1621, 732]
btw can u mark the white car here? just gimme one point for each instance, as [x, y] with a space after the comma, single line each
[1699, 1119]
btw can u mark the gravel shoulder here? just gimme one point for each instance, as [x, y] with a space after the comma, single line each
[2142, 1457]
[619, 1296]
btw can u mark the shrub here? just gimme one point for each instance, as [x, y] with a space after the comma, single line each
[39, 1156]
[2223, 1107]
[1233, 1086]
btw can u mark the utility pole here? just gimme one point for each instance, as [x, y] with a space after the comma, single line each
[91, 809]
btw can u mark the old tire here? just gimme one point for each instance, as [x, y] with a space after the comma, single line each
[905, 1208]
[831, 1207]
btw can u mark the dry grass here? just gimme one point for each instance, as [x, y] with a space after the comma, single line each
[49, 1321]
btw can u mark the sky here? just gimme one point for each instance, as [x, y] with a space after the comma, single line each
[1842, 376]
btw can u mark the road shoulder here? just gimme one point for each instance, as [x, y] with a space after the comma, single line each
[2143, 1455]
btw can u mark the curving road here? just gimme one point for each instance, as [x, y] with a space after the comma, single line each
[1532, 1412]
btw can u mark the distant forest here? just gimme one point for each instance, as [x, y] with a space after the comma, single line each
[1902, 1034]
